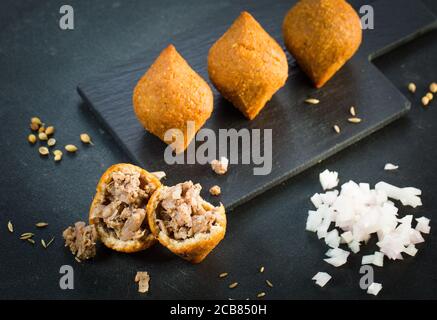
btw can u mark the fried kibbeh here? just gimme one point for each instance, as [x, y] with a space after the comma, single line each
[322, 35]
[118, 210]
[247, 66]
[184, 222]
[169, 95]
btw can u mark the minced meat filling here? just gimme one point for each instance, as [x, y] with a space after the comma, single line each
[81, 239]
[181, 214]
[123, 210]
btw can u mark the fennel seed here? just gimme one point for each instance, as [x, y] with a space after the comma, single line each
[312, 101]
[233, 285]
[10, 227]
[354, 120]
[41, 224]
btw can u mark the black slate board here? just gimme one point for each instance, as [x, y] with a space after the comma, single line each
[302, 134]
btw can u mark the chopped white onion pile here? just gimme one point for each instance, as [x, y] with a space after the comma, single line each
[328, 179]
[374, 288]
[390, 166]
[321, 278]
[357, 212]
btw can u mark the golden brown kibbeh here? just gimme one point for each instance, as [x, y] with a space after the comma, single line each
[118, 210]
[247, 66]
[322, 35]
[169, 95]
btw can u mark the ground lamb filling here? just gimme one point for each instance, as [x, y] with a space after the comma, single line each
[122, 211]
[181, 214]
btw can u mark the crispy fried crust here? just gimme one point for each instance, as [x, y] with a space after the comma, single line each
[171, 93]
[247, 65]
[193, 249]
[322, 35]
[109, 240]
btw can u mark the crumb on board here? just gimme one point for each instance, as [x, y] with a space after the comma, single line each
[215, 190]
[220, 166]
[143, 278]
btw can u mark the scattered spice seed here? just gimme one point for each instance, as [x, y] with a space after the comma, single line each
[31, 138]
[354, 120]
[337, 128]
[41, 224]
[42, 136]
[56, 152]
[261, 294]
[352, 111]
[85, 138]
[223, 275]
[34, 127]
[26, 235]
[312, 101]
[31, 241]
[51, 142]
[49, 130]
[58, 157]
[36, 121]
[233, 285]
[269, 283]
[261, 269]
[10, 227]
[412, 87]
[43, 151]
[43, 243]
[71, 148]
[50, 242]
[433, 87]
[42, 129]
[425, 101]
[429, 95]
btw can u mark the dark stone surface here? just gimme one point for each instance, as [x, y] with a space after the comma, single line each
[40, 67]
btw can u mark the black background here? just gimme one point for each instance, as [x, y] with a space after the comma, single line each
[40, 66]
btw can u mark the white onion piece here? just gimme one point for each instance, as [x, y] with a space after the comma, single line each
[332, 239]
[378, 259]
[407, 196]
[337, 256]
[367, 259]
[411, 250]
[337, 261]
[390, 166]
[321, 278]
[329, 197]
[423, 225]
[374, 288]
[347, 237]
[354, 246]
[316, 200]
[314, 221]
[328, 179]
